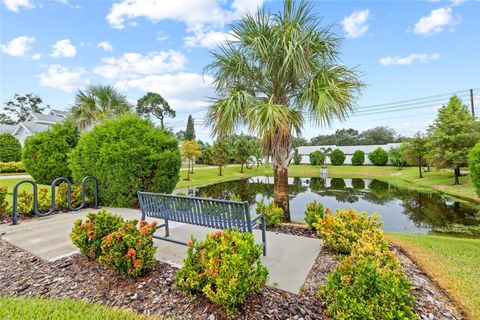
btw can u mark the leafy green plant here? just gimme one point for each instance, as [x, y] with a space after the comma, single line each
[25, 201]
[129, 250]
[11, 167]
[225, 267]
[358, 158]
[61, 199]
[3, 200]
[273, 215]
[378, 157]
[337, 157]
[340, 232]
[317, 158]
[88, 236]
[236, 197]
[297, 157]
[10, 148]
[315, 211]
[474, 164]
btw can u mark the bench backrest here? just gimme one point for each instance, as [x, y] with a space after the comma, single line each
[212, 213]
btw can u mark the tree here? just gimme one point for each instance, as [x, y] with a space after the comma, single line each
[190, 151]
[347, 137]
[20, 107]
[153, 104]
[220, 154]
[98, 103]
[180, 135]
[379, 135]
[358, 158]
[337, 157]
[474, 165]
[378, 157]
[297, 157]
[190, 130]
[299, 142]
[10, 148]
[277, 71]
[451, 137]
[317, 158]
[396, 157]
[323, 140]
[206, 155]
[257, 152]
[243, 151]
[414, 151]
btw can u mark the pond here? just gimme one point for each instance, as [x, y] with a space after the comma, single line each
[401, 210]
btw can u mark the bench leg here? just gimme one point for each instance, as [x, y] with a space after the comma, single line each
[167, 230]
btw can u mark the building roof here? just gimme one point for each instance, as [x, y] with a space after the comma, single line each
[348, 149]
[7, 128]
[59, 113]
[44, 118]
[32, 127]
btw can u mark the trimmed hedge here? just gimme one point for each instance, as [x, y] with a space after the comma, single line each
[10, 148]
[337, 157]
[358, 158]
[45, 154]
[317, 158]
[11, 167]
[378, 157]
[127, 154]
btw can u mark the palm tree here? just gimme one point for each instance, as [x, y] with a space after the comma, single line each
[98, 103]
[279, 71]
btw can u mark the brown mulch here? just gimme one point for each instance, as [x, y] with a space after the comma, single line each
[22, 274]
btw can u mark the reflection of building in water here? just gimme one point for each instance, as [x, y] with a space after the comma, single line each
[323, 173]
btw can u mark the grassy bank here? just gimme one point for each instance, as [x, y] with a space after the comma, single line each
[14, 308]
[454, 263]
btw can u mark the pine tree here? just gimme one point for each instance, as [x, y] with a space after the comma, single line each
[190, 131]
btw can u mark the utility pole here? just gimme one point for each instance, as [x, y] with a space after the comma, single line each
[471, 103]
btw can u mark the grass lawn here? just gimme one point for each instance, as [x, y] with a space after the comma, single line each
[14, 308]
[454, 263]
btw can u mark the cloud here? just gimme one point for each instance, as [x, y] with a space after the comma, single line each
[63, 78]
[161, 36]
[105, 46]
[14, 5]
[133, 64]
[207, 39]
[184, 91]
[355, 25]
[408, 60]
[200, 17]
[436, 22]
[18, 47]
[63, 48]
[36, 56]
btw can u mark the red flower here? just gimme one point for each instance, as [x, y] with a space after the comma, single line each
[131, 253]
[189, 243]
[137, 262]
[328, 210]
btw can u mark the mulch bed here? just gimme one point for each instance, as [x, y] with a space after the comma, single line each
[155, 294]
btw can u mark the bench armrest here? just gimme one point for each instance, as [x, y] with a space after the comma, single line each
[259, 217]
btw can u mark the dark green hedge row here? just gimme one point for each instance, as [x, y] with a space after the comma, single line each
[10, 148]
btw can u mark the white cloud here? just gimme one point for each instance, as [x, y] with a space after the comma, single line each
[105, 46]
[183, 91]
[63, 48]
[408, 60]
[18, 47]
[200, 17]
[436, 22]
[36, 56]
[161, 36]
[133, 64]
[63, 78]
[14, 5]
[355, 25]
[207, 39]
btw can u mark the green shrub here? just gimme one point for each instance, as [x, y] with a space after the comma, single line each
[25, 201]
[317, 158]
[225, 267]
[358, 183]
[127, 154]
[359, 289]
[61, 196]
[340, 232]
[358, 158]
[273, 215]
[315, 211]
[337, 157]
[129, 250]
[45, 154]
[88, 236]
[474, 164]
[378, 157]
[11, 167]
[297, 157]
[3, 200]
[10, 148]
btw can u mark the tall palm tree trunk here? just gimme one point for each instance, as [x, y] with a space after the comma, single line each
[280, 190]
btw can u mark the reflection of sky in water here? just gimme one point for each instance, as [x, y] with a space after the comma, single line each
[401, 211]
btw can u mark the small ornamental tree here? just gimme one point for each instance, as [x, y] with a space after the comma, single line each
[414, 151]
[127, 154]
[378, 157]
[358, 158]
[190, 151]
[220, 154]
[317, 158]
[45, 154]
[297, 157]
[396, 157]
[10, 148]
[154, 105]
[337, 157]
[242, 151]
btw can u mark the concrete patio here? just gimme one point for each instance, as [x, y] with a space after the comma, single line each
[289, 258]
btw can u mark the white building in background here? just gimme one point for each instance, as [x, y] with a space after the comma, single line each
[348, 150]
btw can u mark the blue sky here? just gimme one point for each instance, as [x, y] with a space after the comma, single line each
[406, 50]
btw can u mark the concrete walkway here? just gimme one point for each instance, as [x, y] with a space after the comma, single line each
[289, 258]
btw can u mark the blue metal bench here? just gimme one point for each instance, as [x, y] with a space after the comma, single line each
[212, 213]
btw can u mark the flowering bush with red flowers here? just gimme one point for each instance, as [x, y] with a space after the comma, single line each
[88, 235]
[25, 201]
[3, 200]
[61, 200]
[340, 231]
[225, 267]
[315, 211]
[130, 250]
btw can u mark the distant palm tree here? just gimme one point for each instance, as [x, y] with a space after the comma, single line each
[98, 103]
[279, 71]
